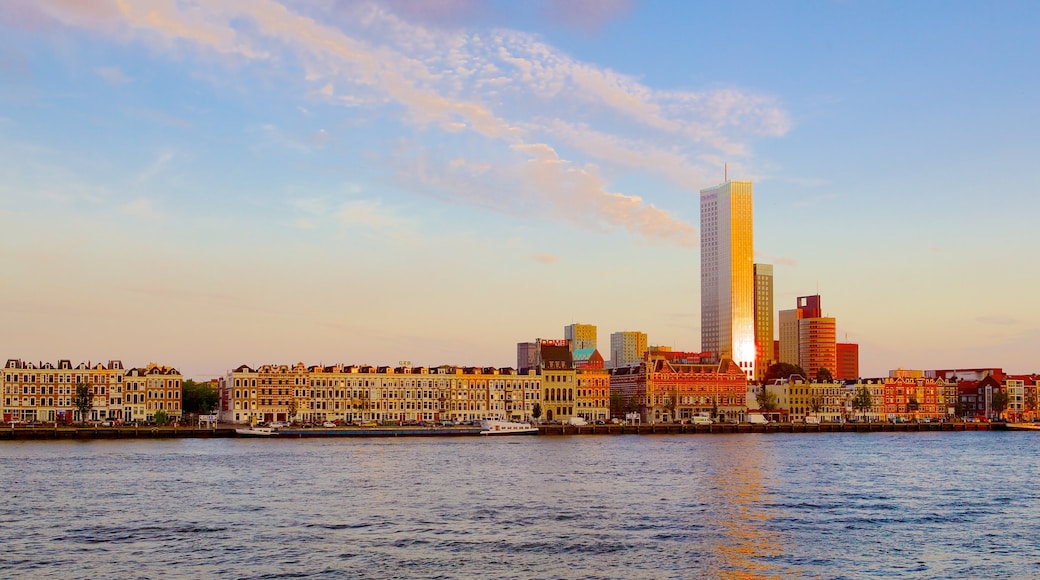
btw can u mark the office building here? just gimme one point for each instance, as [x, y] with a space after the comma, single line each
[627, 348]
[727, 274]
[763, 319]
[580, 336]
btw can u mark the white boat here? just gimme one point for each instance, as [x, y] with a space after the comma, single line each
[493, 427]
[257, 431]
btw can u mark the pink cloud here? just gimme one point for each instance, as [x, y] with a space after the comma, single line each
[586, 15]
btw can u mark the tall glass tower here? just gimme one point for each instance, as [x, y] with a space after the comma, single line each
[728, 274]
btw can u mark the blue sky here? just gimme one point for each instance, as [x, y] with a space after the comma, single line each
[208, 184]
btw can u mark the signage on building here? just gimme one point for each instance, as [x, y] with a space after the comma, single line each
[553, 341]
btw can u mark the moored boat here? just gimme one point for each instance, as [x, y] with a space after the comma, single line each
[257, 431]
[493, 427]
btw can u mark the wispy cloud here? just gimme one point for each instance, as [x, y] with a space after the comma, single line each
[501, 89]
[545, 258]
[113, 75]
[369, 214]
[995, 320]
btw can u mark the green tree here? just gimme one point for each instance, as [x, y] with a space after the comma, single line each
[767, 401]
[84, 401]
[863, 401]
[670, 403]
[536, 411]
[617, 404]
[714, 407]
[1029, 402]
[294, 407]
[782, 371]
[815, 403]
[160, 417]
[198, 398]
[823, 375]
[999, 403]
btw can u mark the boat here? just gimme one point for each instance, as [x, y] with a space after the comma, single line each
[1024, 426]
[257, 431]
[495, 427]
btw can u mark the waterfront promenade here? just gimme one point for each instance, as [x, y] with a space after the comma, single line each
[224, 431]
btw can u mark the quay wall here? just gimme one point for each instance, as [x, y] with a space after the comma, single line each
[87, 433]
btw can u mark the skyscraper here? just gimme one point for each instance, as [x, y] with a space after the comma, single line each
[727, 273]
[763, 319]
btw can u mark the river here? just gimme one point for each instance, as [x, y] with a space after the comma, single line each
[807, 505]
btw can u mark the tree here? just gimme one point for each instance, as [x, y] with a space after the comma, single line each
[815, 403]
[823, 375]
[782, 371]
[670, 402]
[84, 401]
[294, 407]
[160, 417]
[999, 402]
[198, 398]
[536, 411]
[617, 404]
[767, 401]
[863, 401]
[1029, 402]
[714, 407]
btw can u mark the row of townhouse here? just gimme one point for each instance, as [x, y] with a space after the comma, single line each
[890, 399]
[47, 392]
[906, 398]
[362, 393]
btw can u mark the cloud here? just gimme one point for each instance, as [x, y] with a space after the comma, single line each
[545, 258]
[369, 214]
[994, 320]
[304, 224]
[495, 92]
[113, 75]
[140, 208]
[586, 15]
[781, 260]
[156, 166]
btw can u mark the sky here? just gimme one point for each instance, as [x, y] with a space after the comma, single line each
[211, 183]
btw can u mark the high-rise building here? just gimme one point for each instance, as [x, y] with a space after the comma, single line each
[727, 274]
[763, 319]
[580, 336]
[816, 345]
[848, 361]
[527, 355]
[627, 348]
[807, 307]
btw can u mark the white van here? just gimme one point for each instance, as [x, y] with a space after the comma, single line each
[757, 419]
[577, 422]
[701, 420]
[812, 420]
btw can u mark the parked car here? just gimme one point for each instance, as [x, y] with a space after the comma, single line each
[328, 424]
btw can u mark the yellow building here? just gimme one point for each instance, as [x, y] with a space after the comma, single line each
[390, 395]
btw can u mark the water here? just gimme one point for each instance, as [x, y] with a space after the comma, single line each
[894, 505]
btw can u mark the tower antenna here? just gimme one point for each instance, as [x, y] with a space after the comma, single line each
[725, 172]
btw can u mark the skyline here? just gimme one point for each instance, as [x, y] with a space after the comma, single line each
[276, 182]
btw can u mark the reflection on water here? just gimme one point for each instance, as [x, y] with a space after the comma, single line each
[948, 505]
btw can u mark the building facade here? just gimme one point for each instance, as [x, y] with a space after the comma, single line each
[627, 348]
[763, 319]
[46, 392]
[677, 387]
[847, 361]
[727, 274]
[353, 394]
[580, 336]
